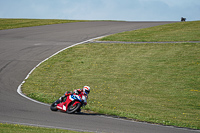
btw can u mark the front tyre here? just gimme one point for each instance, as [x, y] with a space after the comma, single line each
[53, 106]
[71, 109]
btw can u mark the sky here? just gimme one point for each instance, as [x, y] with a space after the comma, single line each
[127, 10]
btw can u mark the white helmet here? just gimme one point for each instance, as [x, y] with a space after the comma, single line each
[86, 89]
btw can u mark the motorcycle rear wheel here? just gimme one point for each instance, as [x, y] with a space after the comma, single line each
[72, 109]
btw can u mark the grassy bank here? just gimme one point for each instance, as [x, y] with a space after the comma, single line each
[158, 83]
[16, 128]
[182, 31]
[149, 82]
[19, 23]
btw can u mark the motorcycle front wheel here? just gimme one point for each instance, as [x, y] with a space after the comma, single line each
[53, 105]
[71, 109]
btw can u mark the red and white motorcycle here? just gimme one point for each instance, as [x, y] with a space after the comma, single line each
[71, 104]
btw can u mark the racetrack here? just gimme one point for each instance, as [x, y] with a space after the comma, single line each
[23, 48]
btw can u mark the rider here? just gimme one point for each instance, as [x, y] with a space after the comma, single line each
[85, 90]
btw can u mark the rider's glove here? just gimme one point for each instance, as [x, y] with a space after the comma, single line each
[62, 98]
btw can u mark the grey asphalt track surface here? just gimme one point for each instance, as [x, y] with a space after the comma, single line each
[23, 48]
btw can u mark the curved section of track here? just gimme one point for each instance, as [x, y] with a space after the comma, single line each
[24, 48]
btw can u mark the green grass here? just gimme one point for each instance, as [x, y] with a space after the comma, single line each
[182, 31]
[19, 23]
[157, 83]
[15, 128]
[148, 82]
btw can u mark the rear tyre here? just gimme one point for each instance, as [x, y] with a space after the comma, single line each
[72, 109]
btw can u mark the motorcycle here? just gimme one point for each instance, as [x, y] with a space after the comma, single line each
[71, 104]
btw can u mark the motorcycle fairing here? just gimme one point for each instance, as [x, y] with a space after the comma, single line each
[63, 106]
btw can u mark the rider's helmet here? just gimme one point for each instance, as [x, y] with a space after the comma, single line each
[86, 89]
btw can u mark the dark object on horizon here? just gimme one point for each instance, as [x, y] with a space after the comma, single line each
[183, 19]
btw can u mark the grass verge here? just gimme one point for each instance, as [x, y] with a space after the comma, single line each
[15, 128]
[157, 83]
[182, 31]
[19, 23]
